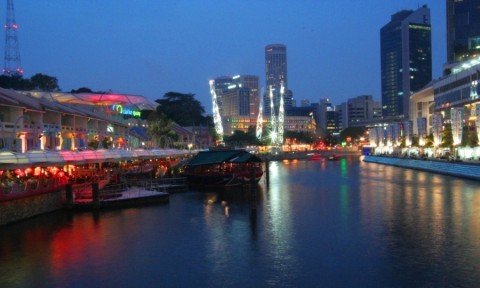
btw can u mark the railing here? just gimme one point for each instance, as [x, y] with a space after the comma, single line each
[25, 188]
[163, 184]
[113, 191]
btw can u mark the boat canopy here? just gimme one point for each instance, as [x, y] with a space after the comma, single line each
[220, 156]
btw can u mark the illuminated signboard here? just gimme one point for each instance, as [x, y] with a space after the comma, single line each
[124, 111]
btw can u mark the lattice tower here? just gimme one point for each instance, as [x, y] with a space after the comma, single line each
[12, 50]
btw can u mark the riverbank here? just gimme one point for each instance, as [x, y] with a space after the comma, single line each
[469, 170]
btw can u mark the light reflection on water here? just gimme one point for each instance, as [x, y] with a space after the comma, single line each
[320, 223]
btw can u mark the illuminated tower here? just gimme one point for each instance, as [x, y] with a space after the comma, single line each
[12, 51]
[259, 130]
[275, 74]
[281, 115]
[217, 120]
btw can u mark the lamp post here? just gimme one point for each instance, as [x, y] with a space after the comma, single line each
[190, 149]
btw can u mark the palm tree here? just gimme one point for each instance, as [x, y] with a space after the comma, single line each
[160, 128]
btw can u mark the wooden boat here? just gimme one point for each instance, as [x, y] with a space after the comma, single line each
[223, 168]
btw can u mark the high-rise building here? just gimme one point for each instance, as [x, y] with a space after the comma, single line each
[406, 59]
[276, 74]
[242, 94]
[463, 30]
[221, 85]
[363, 108]
[236, 101]
[252, 83]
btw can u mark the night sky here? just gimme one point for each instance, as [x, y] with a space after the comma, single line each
[149, 47]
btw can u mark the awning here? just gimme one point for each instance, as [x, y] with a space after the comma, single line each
[91, 156]
[44, 158]
[70, 157]
[12, 160]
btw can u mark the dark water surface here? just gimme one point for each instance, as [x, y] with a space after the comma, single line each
[320, 224]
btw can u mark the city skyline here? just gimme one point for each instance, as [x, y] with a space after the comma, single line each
[150, 49]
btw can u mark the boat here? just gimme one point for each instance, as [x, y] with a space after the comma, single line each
[314, 157]
[223, 168]
[333, 157]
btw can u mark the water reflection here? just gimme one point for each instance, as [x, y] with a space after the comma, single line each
[425, 216]
[319, 224]
[277, 220]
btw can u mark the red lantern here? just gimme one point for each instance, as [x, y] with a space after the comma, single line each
[19, 172]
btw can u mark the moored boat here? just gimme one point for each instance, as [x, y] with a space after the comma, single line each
[223, 168]
[333, 157]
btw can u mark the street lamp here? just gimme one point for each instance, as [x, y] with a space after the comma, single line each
[190, 148]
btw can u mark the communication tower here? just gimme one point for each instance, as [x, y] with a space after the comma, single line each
[12, 51]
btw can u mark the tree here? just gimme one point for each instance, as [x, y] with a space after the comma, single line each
[160, 129]
[16, 82]
[44, 82]
[447, 138]
[300, 136]
[183, 109]
[469, 137]
[429, 140]
[242, 139]
[82, 90]
[355, 133]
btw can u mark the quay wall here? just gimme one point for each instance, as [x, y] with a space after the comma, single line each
[457, 169]
[26, 207]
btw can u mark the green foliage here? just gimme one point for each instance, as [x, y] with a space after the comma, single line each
[415, 139]
[44, 82]
[353, 132]
[300, 136]
[429, 140]
[160, 129]
[469, 137]
[183, 109]
[38, 81]
[82, 90]
[15, 82]
[241, 139]
[447, 138]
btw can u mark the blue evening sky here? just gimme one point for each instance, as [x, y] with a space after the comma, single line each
[148, 48]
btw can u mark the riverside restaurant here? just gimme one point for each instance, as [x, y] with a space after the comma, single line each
[40, 172]
[51, 139]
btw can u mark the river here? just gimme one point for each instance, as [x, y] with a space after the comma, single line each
[322, 223]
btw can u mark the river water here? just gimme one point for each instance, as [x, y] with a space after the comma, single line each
[322, 223]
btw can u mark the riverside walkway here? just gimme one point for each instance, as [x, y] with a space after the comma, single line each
[467, 169]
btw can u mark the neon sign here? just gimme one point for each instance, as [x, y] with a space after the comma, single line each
[124, 111]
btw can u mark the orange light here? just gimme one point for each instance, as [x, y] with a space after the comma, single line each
[37, 171]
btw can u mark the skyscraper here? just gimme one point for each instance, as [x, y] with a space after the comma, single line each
[463, 30]
[406, 59]
[237, 95]
[276, 73]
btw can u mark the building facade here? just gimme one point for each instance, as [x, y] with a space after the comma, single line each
[406, 59]
[276, 75]
[463, 30]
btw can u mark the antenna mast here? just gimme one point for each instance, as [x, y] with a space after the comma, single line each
[12, 51]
